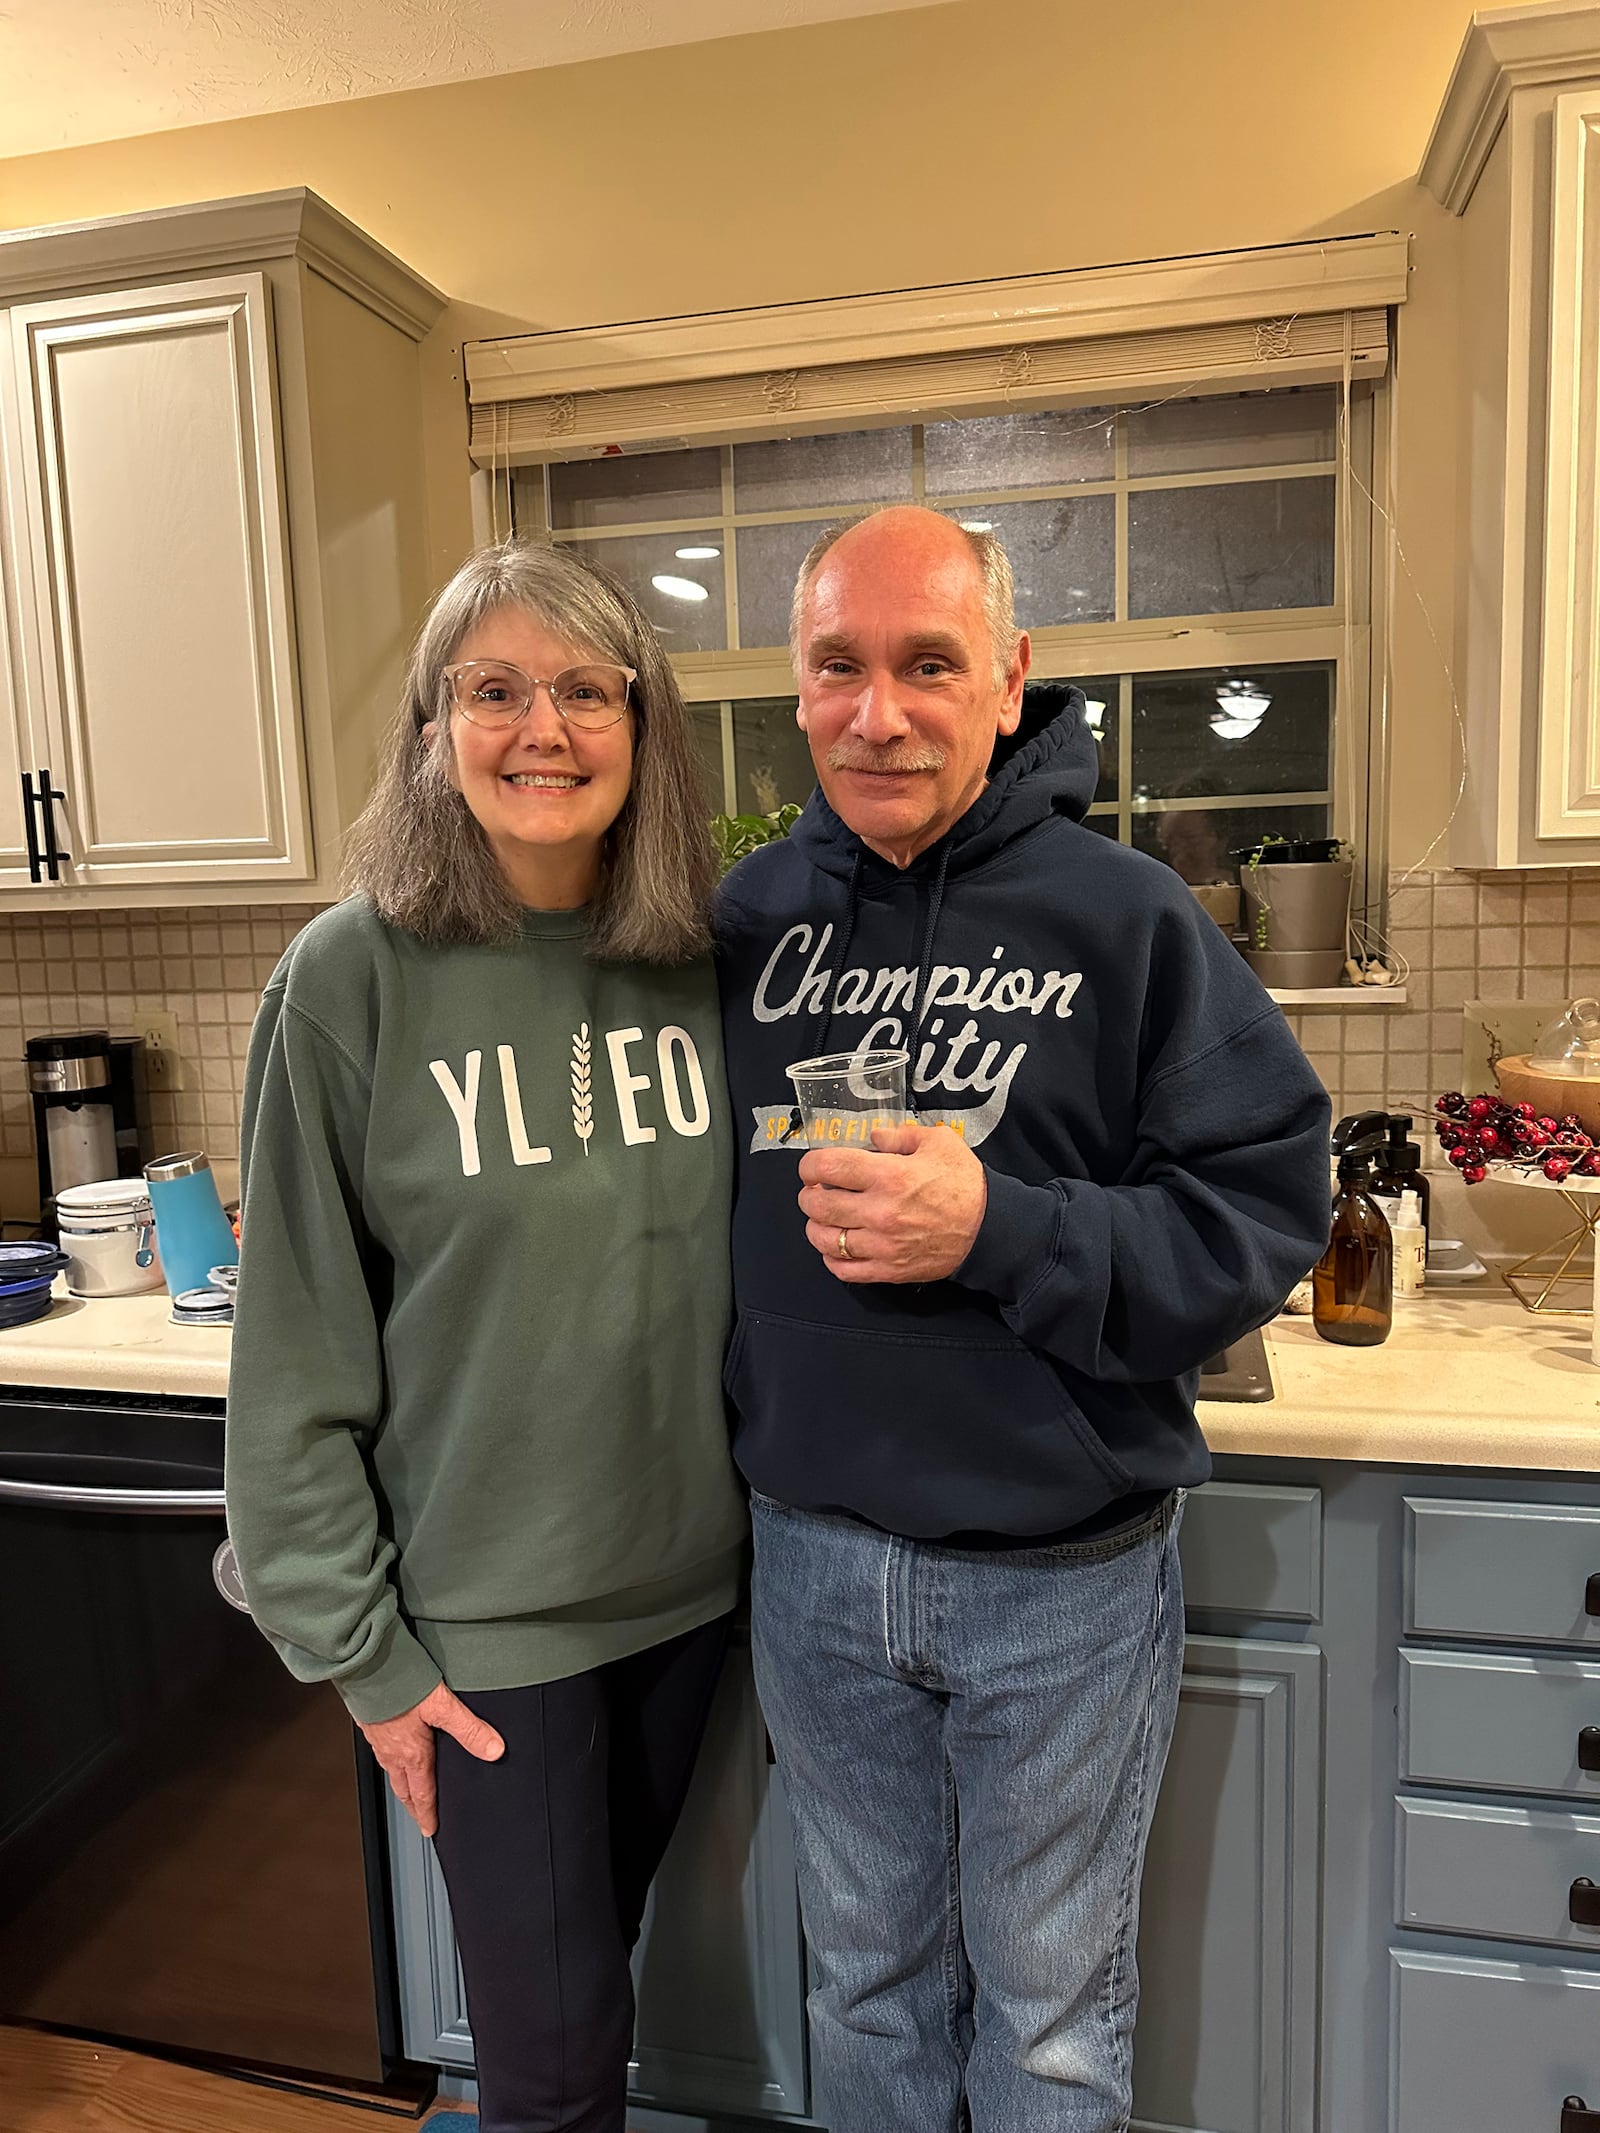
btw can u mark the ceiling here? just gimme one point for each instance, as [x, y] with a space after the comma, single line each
[73, 71]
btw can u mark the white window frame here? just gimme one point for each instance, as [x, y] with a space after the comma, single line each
[1315, 313]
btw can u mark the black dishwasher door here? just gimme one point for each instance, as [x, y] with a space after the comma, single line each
[181, 1856]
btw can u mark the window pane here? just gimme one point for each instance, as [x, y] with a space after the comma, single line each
[635, 487]
[774, 762]
[1063, 556]
[684, 621]
[707, 722]
[769, 562]
[805, 473]
[1035, 450]
[1219, 550]
[1102, 825]
[1259, 430]
[1044, 700]
[1179, 753]
[1201, 842]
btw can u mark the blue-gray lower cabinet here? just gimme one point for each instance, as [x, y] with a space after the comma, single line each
[720, 1967]
[1227, 2036]
[1491, 2047]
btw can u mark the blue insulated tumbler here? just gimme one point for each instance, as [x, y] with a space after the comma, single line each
[192, 1232]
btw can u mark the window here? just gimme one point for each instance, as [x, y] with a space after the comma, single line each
[1182, 561]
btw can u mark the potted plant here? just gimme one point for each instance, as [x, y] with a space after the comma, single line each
[1296, 895]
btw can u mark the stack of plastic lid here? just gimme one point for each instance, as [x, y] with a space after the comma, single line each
[26, 1272]
[209, 1306]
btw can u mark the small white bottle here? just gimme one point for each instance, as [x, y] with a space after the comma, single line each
[1410, 1246]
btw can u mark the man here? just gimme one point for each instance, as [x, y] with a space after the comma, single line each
[964, 1374]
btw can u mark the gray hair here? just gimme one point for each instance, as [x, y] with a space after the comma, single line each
[418, 851]
[994, 569]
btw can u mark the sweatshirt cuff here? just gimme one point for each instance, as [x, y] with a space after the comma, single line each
[1015, 1240]
[395, 1681]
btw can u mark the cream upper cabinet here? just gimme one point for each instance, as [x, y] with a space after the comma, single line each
[1516, 154]
[156, 528]
[214, 521]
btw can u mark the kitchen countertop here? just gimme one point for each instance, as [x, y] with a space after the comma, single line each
[1467, 1378]
[117, 1344]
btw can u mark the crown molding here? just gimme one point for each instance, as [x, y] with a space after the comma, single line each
[174, 242]
[1505, 49]
[1334, 274]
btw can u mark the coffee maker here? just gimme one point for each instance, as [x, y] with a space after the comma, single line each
[85, 1111]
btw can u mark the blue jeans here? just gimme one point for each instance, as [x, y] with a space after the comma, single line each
[971, 1744]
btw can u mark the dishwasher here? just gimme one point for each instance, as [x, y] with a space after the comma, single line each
[191, 1849]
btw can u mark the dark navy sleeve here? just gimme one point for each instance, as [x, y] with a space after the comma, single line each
[1223, 1208]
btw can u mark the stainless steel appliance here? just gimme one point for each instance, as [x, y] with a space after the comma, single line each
[74, 1123]
[191, 1850]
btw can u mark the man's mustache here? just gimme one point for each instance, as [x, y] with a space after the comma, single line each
[884, 761]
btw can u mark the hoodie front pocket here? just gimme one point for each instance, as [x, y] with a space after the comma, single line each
[920, 1432]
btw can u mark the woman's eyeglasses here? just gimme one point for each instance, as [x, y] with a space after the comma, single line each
[490, 692]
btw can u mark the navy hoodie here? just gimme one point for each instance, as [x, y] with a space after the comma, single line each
[1156, 1146]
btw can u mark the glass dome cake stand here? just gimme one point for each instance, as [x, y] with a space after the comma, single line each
[1542, 1271]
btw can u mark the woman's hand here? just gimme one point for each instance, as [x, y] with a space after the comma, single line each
[404, 1746]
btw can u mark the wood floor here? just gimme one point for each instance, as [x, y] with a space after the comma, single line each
[64, 2085]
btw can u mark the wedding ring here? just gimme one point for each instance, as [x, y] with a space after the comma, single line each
[844, 1245]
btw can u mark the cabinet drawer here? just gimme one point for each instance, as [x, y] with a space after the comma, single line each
[1518, 1571]
[1471, 1867]
[1498, 1719]
[1490, 2047]
[1253, 1549]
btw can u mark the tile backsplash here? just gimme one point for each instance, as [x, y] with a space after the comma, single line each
[96, 970]
[1497, 937]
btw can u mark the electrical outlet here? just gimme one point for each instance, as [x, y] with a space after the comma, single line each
[163, 1068]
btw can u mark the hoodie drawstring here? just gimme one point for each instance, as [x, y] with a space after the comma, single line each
[824, 1021]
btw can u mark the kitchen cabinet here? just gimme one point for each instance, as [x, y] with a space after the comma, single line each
[1227, 2035]
[211, 508]
[1356, 1905]
[1515, 153]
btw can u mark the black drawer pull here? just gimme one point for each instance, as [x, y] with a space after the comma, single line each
[1576, 2117]
[1589, 1759]
[1583, 1902]
[1591, 1594]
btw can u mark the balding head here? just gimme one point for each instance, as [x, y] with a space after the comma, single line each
[902, 687]
[903, 529]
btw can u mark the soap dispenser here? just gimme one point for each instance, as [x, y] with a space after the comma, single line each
[1398, 1169]
[1352, 1287]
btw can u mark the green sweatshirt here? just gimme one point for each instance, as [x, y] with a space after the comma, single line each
[475, 1420]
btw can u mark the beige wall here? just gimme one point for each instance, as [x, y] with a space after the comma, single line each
[983, 138]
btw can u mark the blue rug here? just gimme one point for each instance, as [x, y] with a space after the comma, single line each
[455, 2120]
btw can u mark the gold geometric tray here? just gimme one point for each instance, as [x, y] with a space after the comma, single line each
[1543, 1271]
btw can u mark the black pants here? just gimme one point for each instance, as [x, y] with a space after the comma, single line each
[548, 1856]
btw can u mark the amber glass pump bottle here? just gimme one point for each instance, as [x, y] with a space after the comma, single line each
[1352, 1289]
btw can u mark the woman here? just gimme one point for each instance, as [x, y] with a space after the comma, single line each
[477, 1470]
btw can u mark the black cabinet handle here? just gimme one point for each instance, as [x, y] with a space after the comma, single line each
[1576, 2117]
[1589, 1759]
[55, 855]
[1583, 1902]
[1591, 1594]
[30, 801]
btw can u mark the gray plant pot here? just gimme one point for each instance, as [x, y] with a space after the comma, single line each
[1307, 904]
[1297, 969]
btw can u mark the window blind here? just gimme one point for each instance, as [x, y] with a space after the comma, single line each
[1223, 323]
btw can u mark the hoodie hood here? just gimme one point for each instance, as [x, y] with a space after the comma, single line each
[1041, 770]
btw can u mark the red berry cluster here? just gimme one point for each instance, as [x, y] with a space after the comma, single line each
[1475, 1131]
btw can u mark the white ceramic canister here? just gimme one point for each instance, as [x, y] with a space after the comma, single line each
[108, 1235]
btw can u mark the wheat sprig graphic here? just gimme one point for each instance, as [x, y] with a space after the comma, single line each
[582, 1092]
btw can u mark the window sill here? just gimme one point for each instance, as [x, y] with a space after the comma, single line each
[1341, 997]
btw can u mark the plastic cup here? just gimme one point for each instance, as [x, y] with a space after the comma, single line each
[844, 1096]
